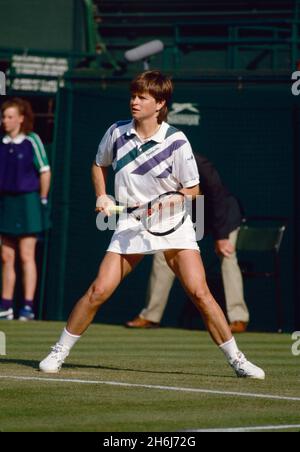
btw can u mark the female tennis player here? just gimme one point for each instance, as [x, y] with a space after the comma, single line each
[149, 158]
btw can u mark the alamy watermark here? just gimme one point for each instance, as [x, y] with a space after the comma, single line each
[296, 345]
[2, 343]
[194, 208]
[296, 85]
[2, 84]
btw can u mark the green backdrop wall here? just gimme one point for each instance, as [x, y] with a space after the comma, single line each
[58, 25]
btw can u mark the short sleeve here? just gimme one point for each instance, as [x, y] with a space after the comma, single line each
[104, 156]
[184, 166]
[40, 159]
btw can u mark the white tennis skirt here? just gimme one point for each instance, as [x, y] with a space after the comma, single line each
[131, 238]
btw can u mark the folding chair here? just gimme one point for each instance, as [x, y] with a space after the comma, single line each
[264, 235]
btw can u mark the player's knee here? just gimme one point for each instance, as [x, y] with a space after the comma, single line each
[99, 295]
[201, 296]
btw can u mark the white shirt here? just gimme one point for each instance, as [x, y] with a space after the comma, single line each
[144, 170]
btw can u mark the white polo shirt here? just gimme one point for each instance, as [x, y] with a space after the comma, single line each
[143, 171]
[146, 169]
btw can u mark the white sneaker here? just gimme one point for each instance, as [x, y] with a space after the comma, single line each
[244, 369]
[53, 362]
[6, 314]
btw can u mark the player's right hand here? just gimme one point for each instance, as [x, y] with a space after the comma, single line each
[105, 204]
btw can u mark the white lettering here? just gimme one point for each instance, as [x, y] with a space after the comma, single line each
[122, 442]
[296, 85]
[187, 120]
[296, 345]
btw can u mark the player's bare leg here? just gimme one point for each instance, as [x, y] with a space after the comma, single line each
[113, 269]
[188, 267]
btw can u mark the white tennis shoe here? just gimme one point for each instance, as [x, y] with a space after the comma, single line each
[244, 369]
[53, 362]
[6, 314]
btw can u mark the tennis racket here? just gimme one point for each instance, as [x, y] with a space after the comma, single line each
[161, 216]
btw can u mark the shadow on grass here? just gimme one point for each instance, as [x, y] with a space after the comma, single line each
[21, 362]
[35, 365]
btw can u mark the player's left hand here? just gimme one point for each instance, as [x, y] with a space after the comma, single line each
[104, 204]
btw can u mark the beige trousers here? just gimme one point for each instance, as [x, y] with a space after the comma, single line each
[162, 279]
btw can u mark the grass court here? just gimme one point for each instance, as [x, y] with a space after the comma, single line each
[164, 380]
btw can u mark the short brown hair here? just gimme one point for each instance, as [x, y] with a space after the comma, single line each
[24, 109]
[158, 86]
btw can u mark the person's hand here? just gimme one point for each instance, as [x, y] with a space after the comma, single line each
[45, 212]
[44, 200]
[224, 248]
[103, 204]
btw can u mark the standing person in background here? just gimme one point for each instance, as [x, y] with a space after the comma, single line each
[24, 186]
[223, 217]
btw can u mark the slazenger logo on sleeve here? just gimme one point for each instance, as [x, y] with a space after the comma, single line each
[191, 157]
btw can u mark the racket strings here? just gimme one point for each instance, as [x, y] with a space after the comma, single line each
[165, 214]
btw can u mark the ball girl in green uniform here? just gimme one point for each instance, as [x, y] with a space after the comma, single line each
[24, 187]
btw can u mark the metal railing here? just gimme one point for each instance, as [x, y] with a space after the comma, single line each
[275, 41]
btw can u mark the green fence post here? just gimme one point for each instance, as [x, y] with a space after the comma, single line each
[47, 233]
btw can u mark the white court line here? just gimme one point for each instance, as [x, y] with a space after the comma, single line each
[158, 387]
[246, 429]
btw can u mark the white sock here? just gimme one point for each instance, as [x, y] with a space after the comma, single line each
[67, 339]
[230, 349]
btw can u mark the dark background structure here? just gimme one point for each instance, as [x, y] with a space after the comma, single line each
[231, 60]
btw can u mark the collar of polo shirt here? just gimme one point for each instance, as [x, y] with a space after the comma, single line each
[17, 140]
[159, 136]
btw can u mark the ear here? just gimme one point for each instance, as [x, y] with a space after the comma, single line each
[160, 105]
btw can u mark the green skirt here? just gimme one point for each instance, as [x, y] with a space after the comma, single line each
[23, 214]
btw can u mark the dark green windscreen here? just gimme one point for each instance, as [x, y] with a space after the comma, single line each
[42, 25]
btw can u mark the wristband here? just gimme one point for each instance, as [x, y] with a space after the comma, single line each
[44, 200]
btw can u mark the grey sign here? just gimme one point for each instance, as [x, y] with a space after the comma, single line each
[2, 343]
[2, 84]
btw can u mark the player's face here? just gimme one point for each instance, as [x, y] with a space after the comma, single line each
[12, 120]
[144, 106]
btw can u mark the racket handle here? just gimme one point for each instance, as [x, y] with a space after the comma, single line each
[116, 209]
